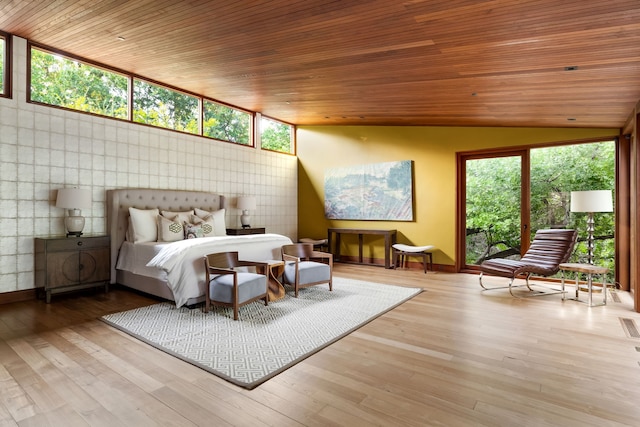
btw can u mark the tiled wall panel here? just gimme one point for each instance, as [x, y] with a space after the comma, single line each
[43, 149]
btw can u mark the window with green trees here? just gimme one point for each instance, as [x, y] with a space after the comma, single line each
[226, 124]
[64, 82]
[159, 106]
[276, 136]
[493, 200]
[3, 55]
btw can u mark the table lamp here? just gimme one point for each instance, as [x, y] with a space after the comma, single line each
[246, 203]
[74, 199]
[591, 201]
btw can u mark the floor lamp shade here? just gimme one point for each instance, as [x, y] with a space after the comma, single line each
[591, 201]
[74, 200]
[245, 204]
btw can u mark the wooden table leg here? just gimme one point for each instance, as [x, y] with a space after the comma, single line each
[387, 251]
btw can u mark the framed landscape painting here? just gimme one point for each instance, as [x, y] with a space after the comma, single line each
[378, 191]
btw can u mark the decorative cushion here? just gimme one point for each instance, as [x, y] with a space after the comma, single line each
[182, 216]
[218, 220]
[192, 231]
[169, 230]
[143, 225]
[250, 285]
[207, 224]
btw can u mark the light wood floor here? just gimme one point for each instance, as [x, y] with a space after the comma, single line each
[452, 356]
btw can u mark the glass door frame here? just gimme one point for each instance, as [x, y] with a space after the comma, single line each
[461, 209]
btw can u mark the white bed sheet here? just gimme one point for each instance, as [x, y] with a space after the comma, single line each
[133, 257]
[180, 263]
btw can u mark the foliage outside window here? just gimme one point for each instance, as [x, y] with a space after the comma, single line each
[493, 200]
[3, 54]
[60, 81]
[63, 81]
[159, 106]
[226, 124]
[276, 136]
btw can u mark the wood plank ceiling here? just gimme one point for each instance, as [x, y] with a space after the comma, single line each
[367, 62]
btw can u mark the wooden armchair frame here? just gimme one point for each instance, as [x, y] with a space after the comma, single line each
[300, 252]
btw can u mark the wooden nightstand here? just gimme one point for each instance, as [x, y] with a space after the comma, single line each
[244, 231]
[65, 264]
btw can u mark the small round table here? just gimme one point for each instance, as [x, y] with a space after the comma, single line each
[589, 270]
[276, 289]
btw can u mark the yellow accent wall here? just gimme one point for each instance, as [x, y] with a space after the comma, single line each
[433, 151]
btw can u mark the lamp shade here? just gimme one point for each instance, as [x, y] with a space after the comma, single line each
[73, 198]
[591, 201]
[246, 203]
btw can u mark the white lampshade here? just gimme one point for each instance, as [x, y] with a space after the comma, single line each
[246, 203]
[591, 201]
[73, 198]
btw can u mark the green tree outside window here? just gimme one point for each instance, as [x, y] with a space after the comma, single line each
[60, 81]
[226, 123]
[275, 135]
[159, 106]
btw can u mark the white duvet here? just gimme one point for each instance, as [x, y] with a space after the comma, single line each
[182, 261]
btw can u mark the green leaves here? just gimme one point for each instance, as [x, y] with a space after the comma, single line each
[493, 198]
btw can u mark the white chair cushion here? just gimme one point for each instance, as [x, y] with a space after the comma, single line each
[250, 285]
[409, 248]
[309, 271]
[313, 241]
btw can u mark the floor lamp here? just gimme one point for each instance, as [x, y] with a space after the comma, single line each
[590, 202]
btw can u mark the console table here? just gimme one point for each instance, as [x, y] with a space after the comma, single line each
[389, 239]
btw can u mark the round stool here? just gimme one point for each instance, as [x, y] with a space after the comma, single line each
[317, 243]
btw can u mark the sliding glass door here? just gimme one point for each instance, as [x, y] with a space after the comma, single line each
[555, 173]
[505, 197]
[493, 200]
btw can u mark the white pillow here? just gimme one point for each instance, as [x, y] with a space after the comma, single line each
[169, 230]
[143, 225]
[182, 216]
[217, 217]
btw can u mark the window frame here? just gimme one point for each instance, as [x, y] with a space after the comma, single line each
[255, 116]
[71, 57]
[197, 116]
[7, 68]
[461, 157]
[292, 127]
[252, 122]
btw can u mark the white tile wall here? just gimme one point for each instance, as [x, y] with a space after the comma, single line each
[43, 149]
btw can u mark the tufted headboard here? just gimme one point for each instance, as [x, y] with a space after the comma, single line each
[119, 202]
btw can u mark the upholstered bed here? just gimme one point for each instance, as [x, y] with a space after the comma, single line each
[173, 270]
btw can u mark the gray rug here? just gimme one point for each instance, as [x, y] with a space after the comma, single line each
[265, 340]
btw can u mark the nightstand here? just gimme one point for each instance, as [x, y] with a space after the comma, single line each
[245, 231]
[65, 264]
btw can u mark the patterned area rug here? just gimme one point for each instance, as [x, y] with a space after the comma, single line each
[265, 340]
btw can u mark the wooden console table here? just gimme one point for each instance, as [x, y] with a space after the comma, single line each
[389, 239]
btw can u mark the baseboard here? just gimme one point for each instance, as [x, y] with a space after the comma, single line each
[379, 262]
[17, 296]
